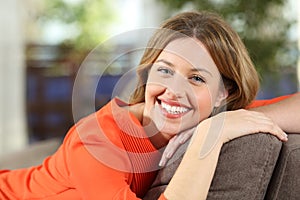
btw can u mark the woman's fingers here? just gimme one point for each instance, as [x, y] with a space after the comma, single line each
[266, 125]
[174, 144]
[169, 151]
[244, 122]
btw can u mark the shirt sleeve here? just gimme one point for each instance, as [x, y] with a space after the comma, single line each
[98, 168]
[48, 181]
[258, 103]
[73, 172]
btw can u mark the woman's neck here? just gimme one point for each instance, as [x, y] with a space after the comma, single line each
[157, 138]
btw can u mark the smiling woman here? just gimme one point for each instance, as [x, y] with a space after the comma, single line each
[176, 83]
[194, 67]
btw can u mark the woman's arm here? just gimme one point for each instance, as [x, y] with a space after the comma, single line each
[194, 175]
[285, 113]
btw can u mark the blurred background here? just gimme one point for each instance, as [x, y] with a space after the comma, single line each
[44, 42]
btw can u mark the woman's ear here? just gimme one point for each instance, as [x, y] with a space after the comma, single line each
[223, 94]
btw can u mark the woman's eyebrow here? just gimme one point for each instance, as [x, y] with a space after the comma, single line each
[198, 69]
[165, 62]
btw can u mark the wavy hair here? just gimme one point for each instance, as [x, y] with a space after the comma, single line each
[224, 46]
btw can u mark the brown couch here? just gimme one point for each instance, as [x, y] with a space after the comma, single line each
[253, 167]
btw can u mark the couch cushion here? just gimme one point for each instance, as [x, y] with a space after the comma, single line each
[32, 155]
[285, 182]
[244, 169]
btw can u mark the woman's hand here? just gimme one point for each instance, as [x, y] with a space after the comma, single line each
[243, 122]
[229, 125]
[174, 145]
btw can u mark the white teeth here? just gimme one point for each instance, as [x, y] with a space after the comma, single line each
[173, 109]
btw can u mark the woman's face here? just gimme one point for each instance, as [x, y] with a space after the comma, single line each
[182, 88]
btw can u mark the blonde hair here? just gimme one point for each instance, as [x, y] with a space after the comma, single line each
[222, 42]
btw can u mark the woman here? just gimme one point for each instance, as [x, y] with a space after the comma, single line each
[114, 153]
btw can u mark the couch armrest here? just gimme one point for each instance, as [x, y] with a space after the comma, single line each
[32, 155]
[285, 182]
[244, 169]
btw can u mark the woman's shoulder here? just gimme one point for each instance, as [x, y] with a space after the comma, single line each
[111, 120]
[137, 110]
[119, 109]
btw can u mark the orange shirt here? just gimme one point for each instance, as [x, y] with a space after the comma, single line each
[106, 155]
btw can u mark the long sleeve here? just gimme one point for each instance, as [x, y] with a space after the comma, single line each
[117, 159]
[258, 103]
[98, 166]
[97, 160]
[47, 181]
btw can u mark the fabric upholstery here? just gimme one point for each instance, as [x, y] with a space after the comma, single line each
[285, 182]
[244, 169]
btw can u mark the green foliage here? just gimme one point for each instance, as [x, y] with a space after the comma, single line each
[260, 24]
[91, 19]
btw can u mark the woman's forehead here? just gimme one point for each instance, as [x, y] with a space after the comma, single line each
[192, 51]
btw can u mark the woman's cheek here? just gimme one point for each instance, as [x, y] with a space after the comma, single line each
[152, 92]
[205, 105]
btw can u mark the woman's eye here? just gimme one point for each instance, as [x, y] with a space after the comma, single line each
[165, 70]
[197, 79]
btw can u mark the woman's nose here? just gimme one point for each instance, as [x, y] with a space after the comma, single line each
[177, 87]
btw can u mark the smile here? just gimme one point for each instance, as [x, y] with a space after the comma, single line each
[174, 110]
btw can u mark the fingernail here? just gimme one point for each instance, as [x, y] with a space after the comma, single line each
[162, 163]
[285, 136]
[183, 140]
[169, 155]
